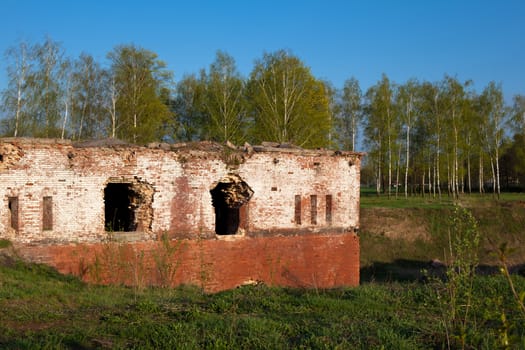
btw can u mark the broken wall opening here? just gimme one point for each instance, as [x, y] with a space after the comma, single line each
[229, 197]
[128, 206]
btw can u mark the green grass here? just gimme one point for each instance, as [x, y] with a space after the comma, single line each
[42, 309]
[370, 199]
[402, 257]
[5, 243]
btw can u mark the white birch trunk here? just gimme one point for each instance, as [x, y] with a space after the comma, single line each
[407, 159]
[481, 177]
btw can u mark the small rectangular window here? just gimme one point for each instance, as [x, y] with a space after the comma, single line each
[328, 209]
[12, 204]
[47, 217]
[298, 210]
[313, 209]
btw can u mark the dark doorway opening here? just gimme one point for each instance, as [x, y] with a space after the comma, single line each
[119, 215]
[230, 194]
[226, 218]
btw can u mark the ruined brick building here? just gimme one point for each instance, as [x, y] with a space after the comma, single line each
[271, 213]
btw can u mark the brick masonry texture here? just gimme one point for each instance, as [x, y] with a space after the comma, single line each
[304, 261]
[167, 192]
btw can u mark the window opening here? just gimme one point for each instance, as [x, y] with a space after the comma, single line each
[128, 206]
[298, 209]
[313, 209]
[47, 214]
[329, 209]
[228, 197]
[119, 215]
[12, 204]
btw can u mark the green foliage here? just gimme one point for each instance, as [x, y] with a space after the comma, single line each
[225, 105]
[188, 107]
[5, 243]
[287, 103]
[456, 292]
[87, 105]
[513, 162]
[350, 115]
[469, 310]
[32, 100]
[507, 331]
[165, 257]
[382, 129]
[422, 137]
[141, 80]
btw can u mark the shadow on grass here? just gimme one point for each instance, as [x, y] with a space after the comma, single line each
[400, 270]
[406, 270]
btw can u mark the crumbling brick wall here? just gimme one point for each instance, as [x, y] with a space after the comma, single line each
[274, 213]
[168, 189]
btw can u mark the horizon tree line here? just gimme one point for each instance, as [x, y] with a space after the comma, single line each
[424, 137]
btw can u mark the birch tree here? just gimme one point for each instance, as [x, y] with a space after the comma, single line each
[15, 96]
[494, 115]
[189, 109]
[141, 80]
[66, 88]
[518, 114]
[287, 104]
[332, 95]
[406, 101]
[430, 129]
[109, 103]
[455, 95]
[224, 100]
[382, 128]
[90, 94]
[350, 113]
[45, 89]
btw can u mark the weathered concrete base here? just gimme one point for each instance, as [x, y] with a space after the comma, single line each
[304, 261]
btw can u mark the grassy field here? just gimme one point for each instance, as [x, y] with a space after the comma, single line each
[398, 305]
[370, 199]
[399, 236]
[42, 309]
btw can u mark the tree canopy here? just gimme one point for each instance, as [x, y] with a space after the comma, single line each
[287, 104]
[425, 137]
[142, 82]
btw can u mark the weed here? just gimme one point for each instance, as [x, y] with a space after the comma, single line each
[507, 326]
[456, 292]
[165, 260]
[5, 243]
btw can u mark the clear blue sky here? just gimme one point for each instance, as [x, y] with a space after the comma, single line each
[479, 40]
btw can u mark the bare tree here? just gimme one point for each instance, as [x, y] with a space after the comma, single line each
[15, 96]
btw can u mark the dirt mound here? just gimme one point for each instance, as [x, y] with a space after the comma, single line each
[407, 224]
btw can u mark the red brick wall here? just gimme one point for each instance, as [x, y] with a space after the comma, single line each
[305, 261]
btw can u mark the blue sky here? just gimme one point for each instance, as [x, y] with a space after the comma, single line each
[479, 40]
